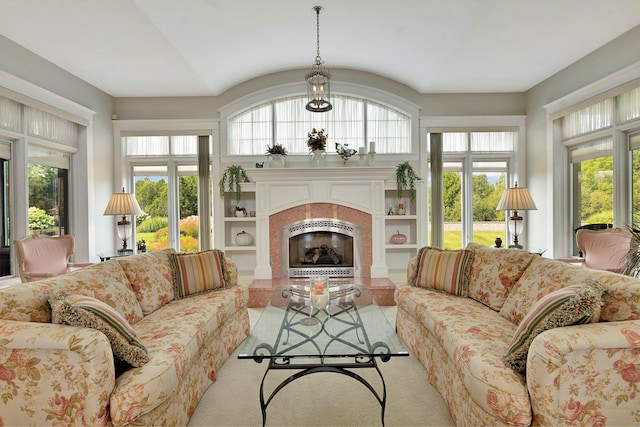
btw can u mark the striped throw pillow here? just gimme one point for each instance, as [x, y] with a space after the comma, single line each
[444, 270]
[196, 273]
[88, 312]
[572, 305]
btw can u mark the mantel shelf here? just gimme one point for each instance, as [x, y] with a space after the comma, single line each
[346, 173]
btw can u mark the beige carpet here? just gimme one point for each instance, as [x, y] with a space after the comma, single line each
[323, 399]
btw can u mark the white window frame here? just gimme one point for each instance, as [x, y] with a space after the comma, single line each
[559, 183]
[295, 89]
[516, 162]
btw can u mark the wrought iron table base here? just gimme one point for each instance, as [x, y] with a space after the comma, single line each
[313, 368]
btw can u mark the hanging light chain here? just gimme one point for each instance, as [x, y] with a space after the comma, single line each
[318, 9]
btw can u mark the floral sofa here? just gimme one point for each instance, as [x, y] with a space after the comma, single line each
[575, 369]
[57, 374]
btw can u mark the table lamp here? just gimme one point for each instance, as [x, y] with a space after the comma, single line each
[516, 199]
[123, 204]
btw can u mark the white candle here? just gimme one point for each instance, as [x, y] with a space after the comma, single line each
[372, 147]
[361, 150]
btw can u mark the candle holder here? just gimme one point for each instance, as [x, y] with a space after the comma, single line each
[372, 158]
[363, 159]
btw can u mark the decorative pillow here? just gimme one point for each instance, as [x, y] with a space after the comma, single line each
[444, 270]
[572, 305]
[196, 273]
[105, 281]
[88, 312]
[542, 277]
[150, 277]
[495, 272]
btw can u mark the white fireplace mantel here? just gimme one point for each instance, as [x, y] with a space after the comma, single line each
[357, 187]
[362, 188]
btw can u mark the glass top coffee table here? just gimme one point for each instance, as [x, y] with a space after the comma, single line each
[340, 333]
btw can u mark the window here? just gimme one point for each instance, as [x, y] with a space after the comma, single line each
[634, 146]
[5, 228]
[48, 190]
[165, 176]
[353, 121]
[474, 175]
[601, 141]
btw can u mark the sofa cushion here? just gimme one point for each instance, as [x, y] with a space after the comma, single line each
[196, 273]
[444, 270]
[104, 281]
[475, 339]
[150, 277]
[571, 305]
[88, 312]
[494, 272]
[27, 302]
[175, 335]
[542, 277]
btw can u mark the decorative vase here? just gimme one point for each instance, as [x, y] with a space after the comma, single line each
[276, 161]
[244, 239]
[319, 292]
[398, 238]
[498, 242]
[318, 158]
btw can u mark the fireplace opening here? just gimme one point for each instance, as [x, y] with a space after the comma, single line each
[320, 246]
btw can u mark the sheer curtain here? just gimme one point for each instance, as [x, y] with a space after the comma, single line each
[352, 121]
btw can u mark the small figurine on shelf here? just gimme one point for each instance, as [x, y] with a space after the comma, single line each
[390, 211]
[142, 246]
[401, 209]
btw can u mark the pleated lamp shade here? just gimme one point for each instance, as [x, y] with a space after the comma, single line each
[517, 199]
[122, 204]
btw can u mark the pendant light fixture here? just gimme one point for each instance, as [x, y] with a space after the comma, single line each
[318, 79]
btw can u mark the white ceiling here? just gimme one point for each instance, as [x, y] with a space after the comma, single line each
[204, 47]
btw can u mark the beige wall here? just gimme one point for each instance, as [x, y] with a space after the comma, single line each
[98, 174]
[601, 63]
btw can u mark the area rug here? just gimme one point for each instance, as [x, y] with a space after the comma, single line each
[322, 399]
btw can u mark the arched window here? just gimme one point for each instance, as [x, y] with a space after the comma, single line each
[354, 121]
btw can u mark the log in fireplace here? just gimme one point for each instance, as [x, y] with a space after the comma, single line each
[321, 246]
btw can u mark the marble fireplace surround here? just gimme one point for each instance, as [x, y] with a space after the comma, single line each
[350, 193]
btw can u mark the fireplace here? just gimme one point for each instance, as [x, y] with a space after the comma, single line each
[321, 246]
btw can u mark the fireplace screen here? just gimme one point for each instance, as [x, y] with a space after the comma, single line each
[320, 246]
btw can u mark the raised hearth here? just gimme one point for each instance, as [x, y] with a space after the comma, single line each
[260, 290]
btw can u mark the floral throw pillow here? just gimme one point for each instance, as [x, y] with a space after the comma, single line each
[572, 305]
[196, 273]
[88, 312]
[444, 270]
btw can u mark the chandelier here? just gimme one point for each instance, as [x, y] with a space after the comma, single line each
[318, 79]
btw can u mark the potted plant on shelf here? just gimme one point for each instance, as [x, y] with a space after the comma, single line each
[276, 154]
[317, 144]
[406, 178]
[317, 140]
[231, 179]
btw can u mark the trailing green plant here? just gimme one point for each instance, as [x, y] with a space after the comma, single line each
[231, 179]
[277, 149]
[406, 178]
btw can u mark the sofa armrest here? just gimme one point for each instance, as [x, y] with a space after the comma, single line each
[54, 374]
[586, 374]
[571, 260]
[231, 271]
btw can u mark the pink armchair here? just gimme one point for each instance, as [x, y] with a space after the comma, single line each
[42, 257]
[602, 249]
